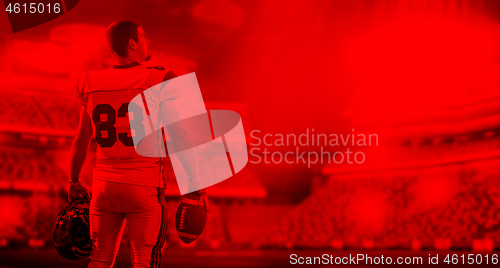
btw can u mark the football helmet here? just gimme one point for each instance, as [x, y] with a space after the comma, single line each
[72, 230]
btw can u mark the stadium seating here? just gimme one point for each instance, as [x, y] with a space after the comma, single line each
[431, 208]
[24, 109]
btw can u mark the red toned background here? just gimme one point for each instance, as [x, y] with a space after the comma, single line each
[422, 75]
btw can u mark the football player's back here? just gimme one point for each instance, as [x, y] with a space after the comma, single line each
[107, 95]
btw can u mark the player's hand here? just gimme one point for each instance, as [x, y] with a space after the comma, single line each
[77, 190]
[194, 185]
[203, 198]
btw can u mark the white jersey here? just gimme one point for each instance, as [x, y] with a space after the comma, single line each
[107, 95]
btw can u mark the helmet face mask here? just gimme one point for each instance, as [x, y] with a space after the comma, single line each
[72, 238]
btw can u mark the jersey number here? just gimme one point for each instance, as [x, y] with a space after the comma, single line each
[107, 124]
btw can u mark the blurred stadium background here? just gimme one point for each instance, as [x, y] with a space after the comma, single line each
[423, 76]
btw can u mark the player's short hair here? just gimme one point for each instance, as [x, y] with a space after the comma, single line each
[118, 34]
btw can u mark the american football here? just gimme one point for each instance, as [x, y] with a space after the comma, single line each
[190, 220]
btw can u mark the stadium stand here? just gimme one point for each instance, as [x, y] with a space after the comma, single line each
[32, 112]
[436, 190]
[393, 212]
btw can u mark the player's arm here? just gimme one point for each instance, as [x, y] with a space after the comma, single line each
[180, 139]
[79, 154]
[184, 146]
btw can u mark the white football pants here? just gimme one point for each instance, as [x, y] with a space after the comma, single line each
[142, 208]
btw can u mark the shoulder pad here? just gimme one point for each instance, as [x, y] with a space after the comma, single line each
[157, 67]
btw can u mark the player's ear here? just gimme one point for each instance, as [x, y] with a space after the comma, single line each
[131, 44]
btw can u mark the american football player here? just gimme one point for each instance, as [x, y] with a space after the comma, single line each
[127, 188]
